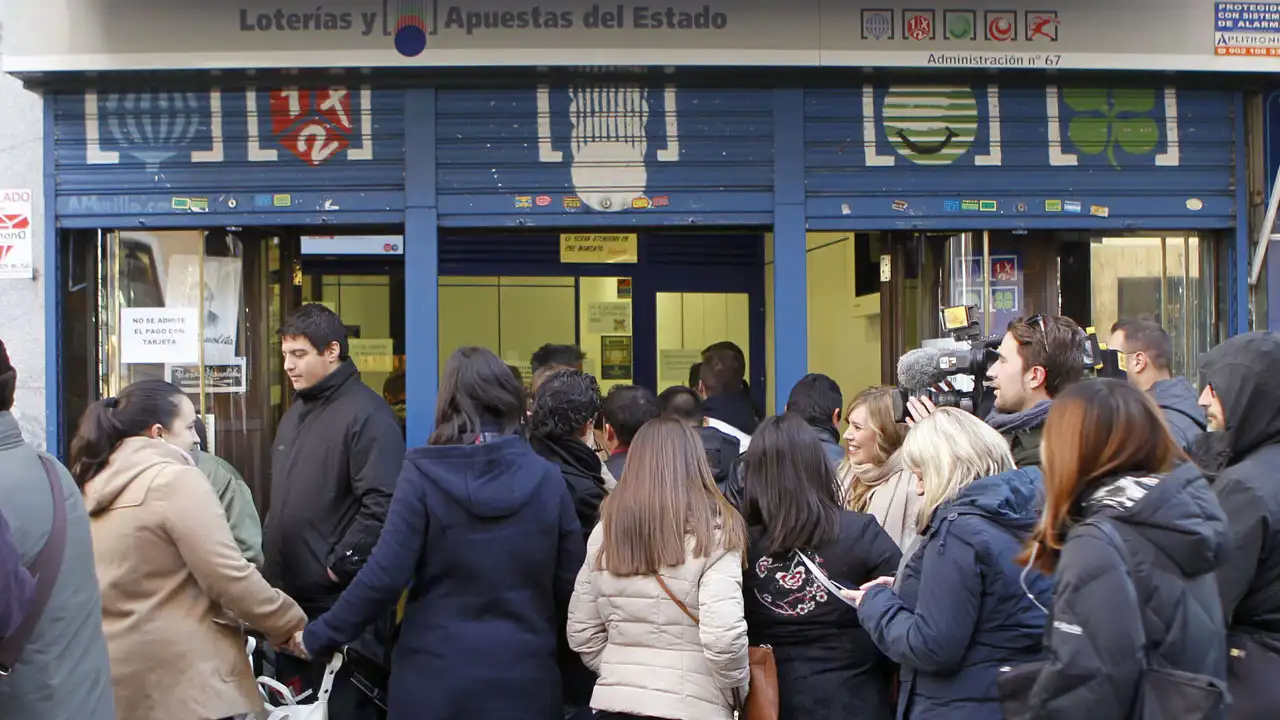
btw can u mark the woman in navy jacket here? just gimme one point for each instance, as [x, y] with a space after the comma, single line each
[484, 534]
[959, 613]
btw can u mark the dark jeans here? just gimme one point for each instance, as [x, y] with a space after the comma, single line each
[347, 702]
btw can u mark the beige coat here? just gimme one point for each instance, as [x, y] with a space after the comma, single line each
[652, 659]
[167, 566]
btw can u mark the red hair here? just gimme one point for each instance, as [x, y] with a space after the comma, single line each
[1096, 430]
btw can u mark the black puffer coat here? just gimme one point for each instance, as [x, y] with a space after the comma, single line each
[1176, 536]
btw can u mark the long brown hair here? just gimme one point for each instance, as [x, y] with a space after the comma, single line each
[889, 437]
[668, 497]
[1096, 430]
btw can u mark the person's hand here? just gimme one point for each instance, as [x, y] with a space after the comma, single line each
[886, 580]
[296, 647]
[919, 408]
[854, 595]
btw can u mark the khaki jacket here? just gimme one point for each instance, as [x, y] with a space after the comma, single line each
[651, 658]
[168, 566]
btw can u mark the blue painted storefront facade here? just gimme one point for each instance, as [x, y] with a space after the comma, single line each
[643, 153]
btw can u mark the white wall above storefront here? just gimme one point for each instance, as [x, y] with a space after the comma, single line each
[88, 35]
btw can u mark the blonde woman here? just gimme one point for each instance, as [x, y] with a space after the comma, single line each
[657, 610]
[872, 473]
[960, 611]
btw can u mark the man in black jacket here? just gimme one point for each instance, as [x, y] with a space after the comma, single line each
[334, 464]
[1240, 455]
[722, 449]
[725, 403]
[817, 399]
[564, 412]
[1148, 352]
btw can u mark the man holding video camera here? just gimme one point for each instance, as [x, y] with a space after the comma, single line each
[1038, 358]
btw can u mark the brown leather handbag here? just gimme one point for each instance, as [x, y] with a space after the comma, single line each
[762, 699]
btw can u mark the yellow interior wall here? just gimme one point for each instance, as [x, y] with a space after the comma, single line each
[363, 300]
[843, 329]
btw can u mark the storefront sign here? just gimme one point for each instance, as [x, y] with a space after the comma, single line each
[217, 378]
[609, 317]
[159, 335]
[16, 245]
[352, 245]
[1080, 34]
[608, 248]
[373, 355]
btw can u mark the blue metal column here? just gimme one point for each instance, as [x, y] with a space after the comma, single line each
[790, 291]
[52, 297]
[1238, 305]
[421, 264]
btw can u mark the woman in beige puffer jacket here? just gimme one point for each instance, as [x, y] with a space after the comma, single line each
[626, 619]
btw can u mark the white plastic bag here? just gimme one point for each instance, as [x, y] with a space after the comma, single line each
[291, 710]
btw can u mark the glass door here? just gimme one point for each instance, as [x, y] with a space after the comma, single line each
[192, 307]
[688, 322]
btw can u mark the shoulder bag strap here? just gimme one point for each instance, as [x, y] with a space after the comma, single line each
[1117, 543]
[679, 603]
[45, 568]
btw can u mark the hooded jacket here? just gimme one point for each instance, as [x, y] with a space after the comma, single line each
[1175, 535]
[959, 612]
[1181, 407]
[64, 671]
[333, 469]
[486, 539]
[1241, 461]
[168, 567]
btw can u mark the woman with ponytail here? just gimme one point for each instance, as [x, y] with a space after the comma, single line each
[168, 566]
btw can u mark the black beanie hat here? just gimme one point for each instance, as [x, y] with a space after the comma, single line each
[8, 380]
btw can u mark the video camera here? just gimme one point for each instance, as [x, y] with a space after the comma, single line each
[920, 371]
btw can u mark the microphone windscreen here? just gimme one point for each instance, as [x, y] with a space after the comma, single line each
[918, 369]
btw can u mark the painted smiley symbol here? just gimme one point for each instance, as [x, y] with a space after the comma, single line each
[927, 149]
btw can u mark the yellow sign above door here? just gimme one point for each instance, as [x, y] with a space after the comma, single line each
[600, 248]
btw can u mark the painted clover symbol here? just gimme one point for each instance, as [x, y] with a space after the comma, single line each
[1110, 117]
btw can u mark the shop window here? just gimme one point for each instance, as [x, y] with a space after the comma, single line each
[1160, 278]
[1094, 279]
[512, 316]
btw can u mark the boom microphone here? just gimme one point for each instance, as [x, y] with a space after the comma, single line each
[921, 368]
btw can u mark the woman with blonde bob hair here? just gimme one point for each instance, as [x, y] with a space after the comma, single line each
[657, 610]
[1134, 534]
[958, 612]
[874, 479]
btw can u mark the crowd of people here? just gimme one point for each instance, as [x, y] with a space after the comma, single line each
[1091, 548]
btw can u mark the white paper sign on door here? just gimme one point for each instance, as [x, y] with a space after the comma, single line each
[159, 335]
[609, 318]
[16, 253]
